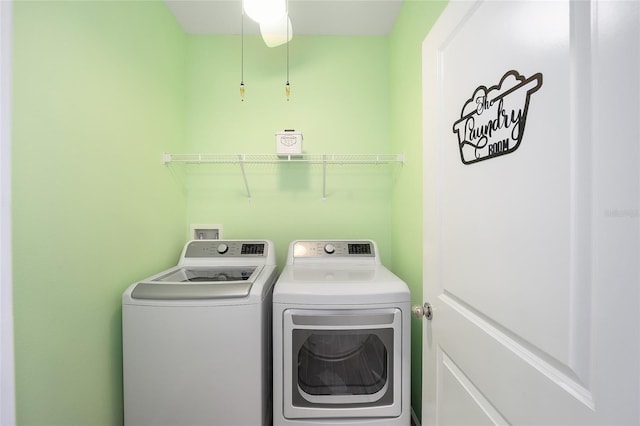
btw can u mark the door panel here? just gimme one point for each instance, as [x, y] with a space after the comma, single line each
[514, 221]
[462, 402]
[508, 198]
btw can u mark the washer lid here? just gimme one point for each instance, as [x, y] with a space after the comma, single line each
[211, 282]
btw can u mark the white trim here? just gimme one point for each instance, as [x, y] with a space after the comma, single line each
[7, 373]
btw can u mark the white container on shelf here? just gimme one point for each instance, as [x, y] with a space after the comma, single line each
[288, 142]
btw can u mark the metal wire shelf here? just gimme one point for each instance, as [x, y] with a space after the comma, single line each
[322, 159]
[274, 159]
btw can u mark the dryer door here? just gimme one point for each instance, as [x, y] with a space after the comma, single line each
[342, 363]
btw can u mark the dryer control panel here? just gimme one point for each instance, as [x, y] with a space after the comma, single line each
[330, 249]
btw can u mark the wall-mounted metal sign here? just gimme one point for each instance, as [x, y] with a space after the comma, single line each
[492, 121]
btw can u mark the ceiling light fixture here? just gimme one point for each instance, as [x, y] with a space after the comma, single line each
[275, 28]
[277, 32]
[265, 11]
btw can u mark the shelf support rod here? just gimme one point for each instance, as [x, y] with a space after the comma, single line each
[324, 177]
[244, 175]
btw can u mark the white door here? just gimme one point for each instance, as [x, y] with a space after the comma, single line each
[531, 213]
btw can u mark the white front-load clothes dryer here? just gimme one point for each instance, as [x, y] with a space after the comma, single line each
[197, 338]
[341, 338]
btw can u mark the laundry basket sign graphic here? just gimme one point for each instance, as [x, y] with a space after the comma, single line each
[492, 121]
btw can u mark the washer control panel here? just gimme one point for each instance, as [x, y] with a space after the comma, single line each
[324, 249]
[218, 248]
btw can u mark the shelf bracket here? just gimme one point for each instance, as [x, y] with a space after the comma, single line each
[324, 177]
[244, 175]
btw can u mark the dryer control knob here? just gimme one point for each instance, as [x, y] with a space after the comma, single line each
[223, 248]
[329, 248]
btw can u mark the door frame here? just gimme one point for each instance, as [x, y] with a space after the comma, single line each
[7, 372]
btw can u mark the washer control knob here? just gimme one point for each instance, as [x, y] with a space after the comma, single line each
[329, 248]
[223, 248]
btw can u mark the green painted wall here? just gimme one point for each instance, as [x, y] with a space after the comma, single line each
[98, 95]
[340, 102]
[414, 22]
[102, 88]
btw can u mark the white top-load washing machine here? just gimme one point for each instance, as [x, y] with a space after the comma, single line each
[197, 338]
[341, 338]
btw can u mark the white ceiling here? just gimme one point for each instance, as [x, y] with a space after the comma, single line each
[308, 17]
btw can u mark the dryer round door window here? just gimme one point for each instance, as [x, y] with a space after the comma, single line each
[342, 363]
[343, 366]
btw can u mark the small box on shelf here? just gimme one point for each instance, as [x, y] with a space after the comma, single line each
[288, 143]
